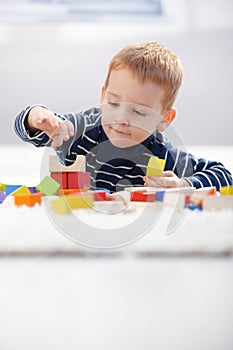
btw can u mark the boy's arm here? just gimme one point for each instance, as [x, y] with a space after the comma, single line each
[187, 170]
[209, 173]
[41, 126]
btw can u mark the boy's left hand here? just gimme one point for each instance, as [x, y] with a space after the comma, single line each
[167, 180]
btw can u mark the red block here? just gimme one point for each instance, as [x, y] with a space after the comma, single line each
[140, 196]
[61, 178]
[100, 195]
[187, 200]
[77, 180]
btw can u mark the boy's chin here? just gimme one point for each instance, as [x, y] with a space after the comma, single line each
[123, 143]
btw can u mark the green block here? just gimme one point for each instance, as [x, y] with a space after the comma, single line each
[48, 186]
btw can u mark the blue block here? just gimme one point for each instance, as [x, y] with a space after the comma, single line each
[159, 196]
[11, 188]
[193, 207]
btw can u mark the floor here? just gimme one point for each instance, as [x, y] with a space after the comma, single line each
[114, 303]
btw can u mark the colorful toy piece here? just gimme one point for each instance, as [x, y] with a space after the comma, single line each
[78, 180]
[48, 186]
[28, 199]
[61, 178]
[65, 192]
[140, 196]
[65, 204]
[82, 200]
[61, 206]
[33, 189]
[56, 167]
[155, 166]
[2, 196]
[226, 190]
[101, 195]
[20, 190]
[11, 188]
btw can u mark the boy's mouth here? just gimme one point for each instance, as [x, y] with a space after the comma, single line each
[119, 131]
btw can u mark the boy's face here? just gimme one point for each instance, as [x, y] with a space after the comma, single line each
[131, 110]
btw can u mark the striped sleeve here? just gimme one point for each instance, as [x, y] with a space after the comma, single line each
[209, 173]
[39, 138]
[198, 172]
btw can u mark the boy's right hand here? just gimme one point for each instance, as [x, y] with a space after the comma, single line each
[58, 130]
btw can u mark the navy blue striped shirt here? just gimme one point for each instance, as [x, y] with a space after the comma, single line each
[115, 168]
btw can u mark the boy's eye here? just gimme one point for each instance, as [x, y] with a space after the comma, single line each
[140, 113]
[114, 104]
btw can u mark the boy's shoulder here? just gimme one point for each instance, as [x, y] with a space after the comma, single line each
[92, 113]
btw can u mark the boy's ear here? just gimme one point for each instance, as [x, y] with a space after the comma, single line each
[167, 119]
[102, 94]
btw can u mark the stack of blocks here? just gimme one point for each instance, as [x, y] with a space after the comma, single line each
[71, 177]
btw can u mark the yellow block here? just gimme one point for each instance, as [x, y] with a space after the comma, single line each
[225, 190]
[80, 201]
[155, 167]
[60, 206]
[3, 187]
[20, 190]
[64, 204]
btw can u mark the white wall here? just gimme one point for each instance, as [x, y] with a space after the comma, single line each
[63, 66]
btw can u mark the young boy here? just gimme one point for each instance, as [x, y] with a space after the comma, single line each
[119, 137]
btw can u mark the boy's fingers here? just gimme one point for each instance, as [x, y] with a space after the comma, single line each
[155, 181]
[57, 141]
[47, 122]
[70, 128]
[62, 133]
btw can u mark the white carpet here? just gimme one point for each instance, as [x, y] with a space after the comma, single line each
[29, 231]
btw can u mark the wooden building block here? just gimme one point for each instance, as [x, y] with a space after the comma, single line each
[141, 196]
[65, 192]
[226, 190]
[155, 166]
[55, 166]
[2, 187]
[61, 178]
[2, 196]
[217, 203]
[82, 200]
[28, 199]
[60, 206]
[48, 186]
[79, 180]
[101, 195]
[198, 194]
[20, 190]
[33, 189]
[11, 188]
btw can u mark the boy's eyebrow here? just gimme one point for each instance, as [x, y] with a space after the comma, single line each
[118, 96]
[112, 94]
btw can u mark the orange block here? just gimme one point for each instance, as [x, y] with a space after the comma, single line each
[28, 199]
[212, 191]
[64, 192]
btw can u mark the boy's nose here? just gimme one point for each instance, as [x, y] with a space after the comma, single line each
[121, 116]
